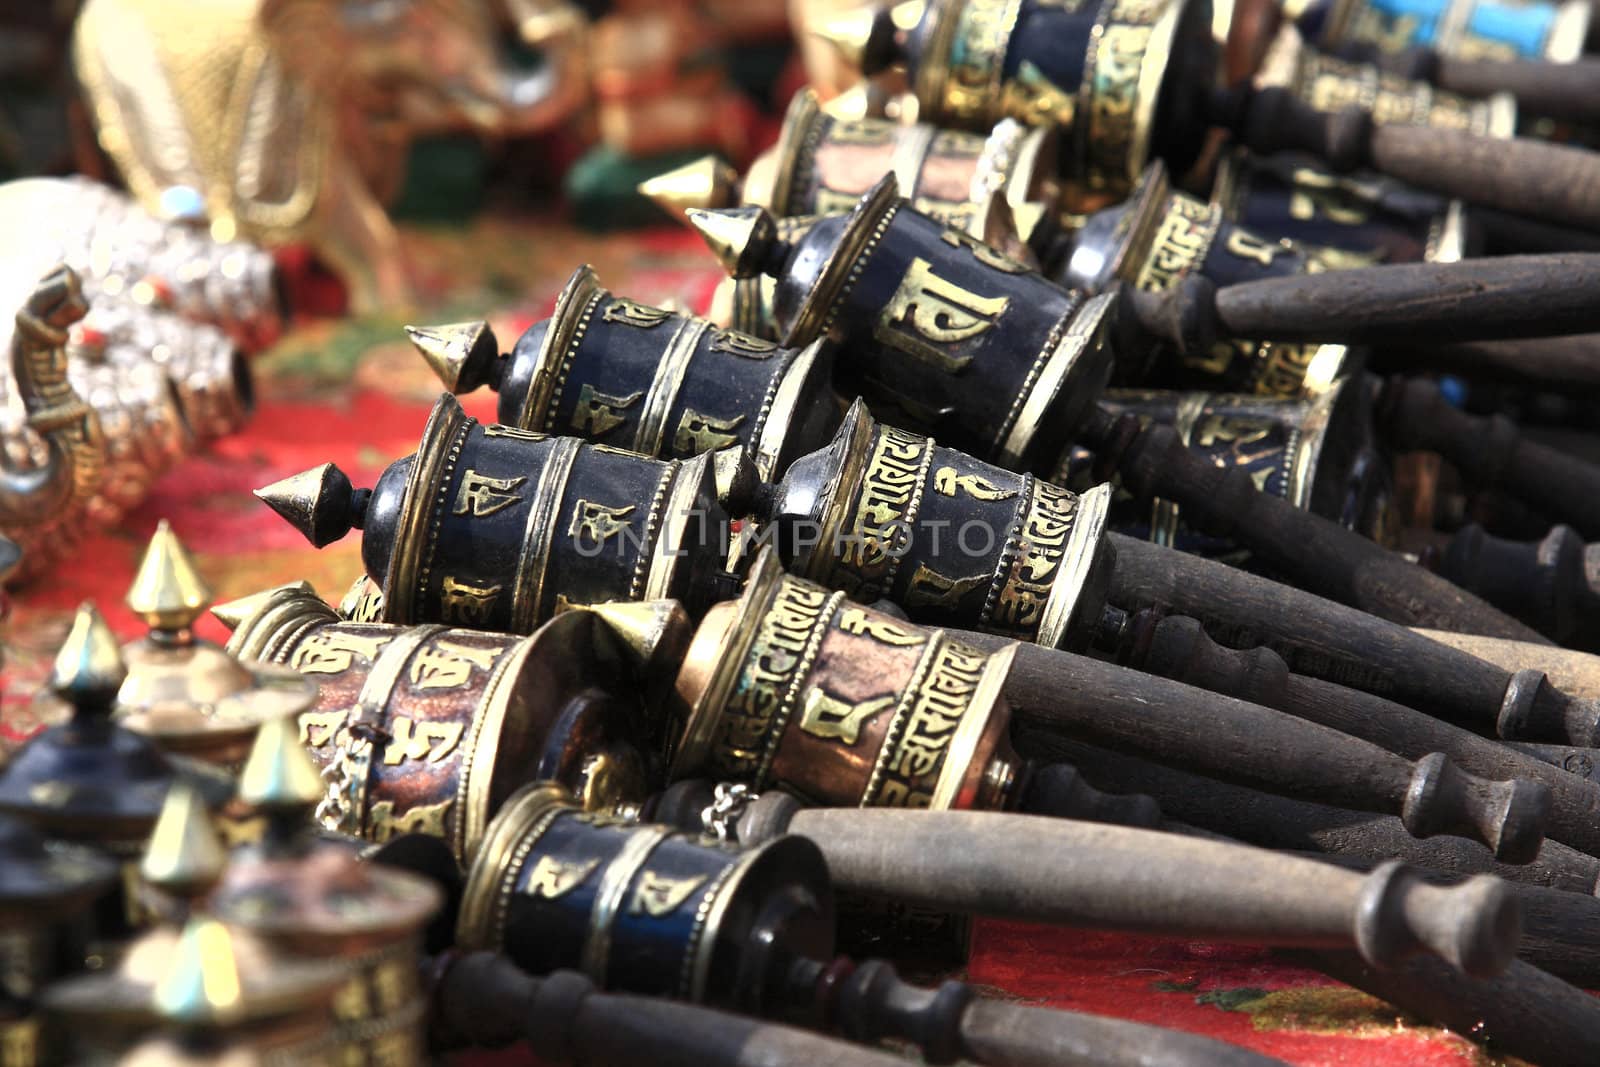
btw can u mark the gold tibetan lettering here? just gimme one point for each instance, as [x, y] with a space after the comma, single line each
[928, 311]
[445, 664]
[597, 522]
[632, 313]
[657, 895]
[384, 823]
[946, 480]
[857, 621]
[470, 605]
[421, 739]
[832, 719]
[699, 433]
[481, 496]
[597, 413]
[929, 588]
[551, 878]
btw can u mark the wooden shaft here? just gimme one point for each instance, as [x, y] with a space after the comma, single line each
[1280, 823]
[1569, 91]
[1491, 453]
[1061, 791]
[1087, 874]
[1516, 175]
[1524, 1012]
[482, 999]
[998, 1033]
[1572, 672]
[1544, 583]
[1226, 738]
[1312, 552]
[1325, 640]
[1570, 759]
[1390, 304]
[1546, 362]
[1179, 648]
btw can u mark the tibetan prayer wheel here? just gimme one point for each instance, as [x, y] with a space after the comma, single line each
[46, 889]
[939, 310]
[424, 729]
[1318, 453]
[1464, 29]
[317, 899]
[822, 164]
[1369, 217]
[746, 304]
[1329, 84]
[638, 908]
[846, 705]
[611, 370]
[475, 528]
[1160, 235]
[1122, 78]
[1018, 556]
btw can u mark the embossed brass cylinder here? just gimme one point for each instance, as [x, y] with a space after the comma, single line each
[1319, 453]
[498, 528]
[464, 717]
[1122, 78]
[887, 514]
[1158, 236]
[795, 685]
[1329, 84]
[823, 163]
[638, 908]
[1463, 29]
[995, 357]
[1369, 217]
[611, 370]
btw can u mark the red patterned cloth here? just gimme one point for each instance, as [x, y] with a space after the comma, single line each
[354, 392]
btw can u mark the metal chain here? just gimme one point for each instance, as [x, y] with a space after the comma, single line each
[728, 803]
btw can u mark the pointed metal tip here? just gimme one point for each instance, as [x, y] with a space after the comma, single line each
[741, 238]
[234, 613]
[849, 33]
[707, 182]
[185, 856]
[317, 502]
[89, 665]
[279, 775]
[167, 591]
[1027, 217]
[201, 986]
[462, 354]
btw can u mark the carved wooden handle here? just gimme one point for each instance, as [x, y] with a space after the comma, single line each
[1568, 91]
[1314, 553]
[1491, 452]
[1516, 175]
[1087, 874]
[1543, 583]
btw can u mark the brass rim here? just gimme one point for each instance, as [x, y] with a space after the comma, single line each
[801, 128]
[441, 442]
[550, 365]
[539, 531]
[510, 837]
[693, 480]
[862, 231]
[987, 698]
[1077, 564]
[856, 432]
[1083, 343]
[1141, 221]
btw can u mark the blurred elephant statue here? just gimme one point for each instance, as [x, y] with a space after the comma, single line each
[288, 120]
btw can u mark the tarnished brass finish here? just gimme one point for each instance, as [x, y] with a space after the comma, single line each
[612, 370]
[794, 685]
[638, 908]
[315, 898]
[499, 528]
[886, 514]
[425, 729]
[1329, 84]
[746, 304]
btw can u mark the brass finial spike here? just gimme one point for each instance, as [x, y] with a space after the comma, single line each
[849, 33]
[1027, 216]
[865, 38]
[167, 591]
[740, 238]
[279, 775]
[89, 666]
[201, 986]
[185, 856]
[462, 354]
[233, 613]
[656, 632]
[707, 182]
[319, 502]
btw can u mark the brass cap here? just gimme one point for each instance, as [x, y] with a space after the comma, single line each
[233, 613]
[278, 775]
[741, 238]
[462, 354]
[201, 987]
[706, 182]
[320, 503]
[865, 38]
[185, 857]
[88, 668]
[167, 591]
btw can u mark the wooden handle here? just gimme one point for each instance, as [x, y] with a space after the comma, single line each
[482, 999]
[1086, 874]
[1300, 825]
[1543, 583]
[1391, 304]
[1570, 759]
[1491, 453]
[1548, 362]
[1523, 1012]
[1312, 552]
[1226, 738]
[1569, 91]
[1060, 791]
[1516, 175]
